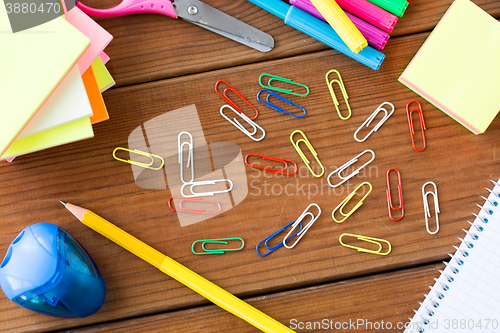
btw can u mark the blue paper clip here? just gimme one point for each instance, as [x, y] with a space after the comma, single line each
[277, 108]
[280, 244]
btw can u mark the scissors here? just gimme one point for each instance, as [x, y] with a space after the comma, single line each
[193, 11]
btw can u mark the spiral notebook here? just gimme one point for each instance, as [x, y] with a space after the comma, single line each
[466, 297]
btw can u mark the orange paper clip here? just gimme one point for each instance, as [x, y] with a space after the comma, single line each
[410, 122]
[278, 171]
[389, 199]
[227, 99]
[191, 210]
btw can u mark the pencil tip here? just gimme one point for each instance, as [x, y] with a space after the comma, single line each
[64, 203]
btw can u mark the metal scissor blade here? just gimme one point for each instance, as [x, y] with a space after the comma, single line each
[223, 24]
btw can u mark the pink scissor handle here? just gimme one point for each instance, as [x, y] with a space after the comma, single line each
[129, 7]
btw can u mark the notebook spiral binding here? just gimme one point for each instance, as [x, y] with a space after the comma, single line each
[445, 282]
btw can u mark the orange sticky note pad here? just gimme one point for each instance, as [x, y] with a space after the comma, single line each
[95, 97]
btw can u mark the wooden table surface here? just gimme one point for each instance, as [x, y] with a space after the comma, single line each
[161, 64]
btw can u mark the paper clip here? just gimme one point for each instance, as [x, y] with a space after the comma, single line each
[190, 160]
[332, 93]
[410, 123]
[389, 199]
[295, 144]
[138, 152]
[376, 241]
[426, 206]
[278, 171]
[339, 170]
[237, 124]
[191, 210]
[227, 99]
[301, 233]
[277, 108]
[282, 79]
[369, 120]
[216, 241]
[280, 244]
[205, 182]
[344, 202]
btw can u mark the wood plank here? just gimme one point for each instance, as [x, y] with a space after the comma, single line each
[152, 47]
[382, 301]
[85, 173]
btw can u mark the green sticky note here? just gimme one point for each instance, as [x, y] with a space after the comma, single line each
[32, 63]
[104, 79]
[74, 131]
[458, 67]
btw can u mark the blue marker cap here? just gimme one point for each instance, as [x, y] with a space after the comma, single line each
[275, 7]
[46, 270]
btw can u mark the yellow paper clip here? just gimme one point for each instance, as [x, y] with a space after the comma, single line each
[332, 93]
[347, 199]
[138, 152]
[295, 144]
[376, 241]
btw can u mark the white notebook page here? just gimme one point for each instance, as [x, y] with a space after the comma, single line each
[471, 302]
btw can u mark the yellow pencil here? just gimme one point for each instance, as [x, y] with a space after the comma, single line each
[342, 25]
[202, 286]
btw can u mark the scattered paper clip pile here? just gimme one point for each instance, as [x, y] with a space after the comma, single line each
[299, 227]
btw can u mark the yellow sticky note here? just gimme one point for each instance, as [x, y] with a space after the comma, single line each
[104, 79]
[32, 63]
[74, 131]
[458, 67]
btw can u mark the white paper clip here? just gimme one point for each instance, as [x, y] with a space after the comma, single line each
[339, 170]
[426, 206]
[190, 159]
[304, 230]
[369, 120]
[205, 182]
[238, 125]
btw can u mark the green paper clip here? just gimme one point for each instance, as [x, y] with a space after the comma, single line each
[282, 79]
[216, 241]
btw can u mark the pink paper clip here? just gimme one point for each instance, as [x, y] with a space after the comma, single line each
[227, 99]
[191, 210]
[410, 122]
[389, 199]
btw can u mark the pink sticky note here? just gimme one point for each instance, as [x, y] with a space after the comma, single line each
[99, 37]
[104, 57]
[10, 159]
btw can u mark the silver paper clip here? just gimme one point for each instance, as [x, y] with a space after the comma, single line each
[426, 207]
[205, 182]
[369, 120]
[304, 230]
[339, 170]
[238, 125]
[190, 159]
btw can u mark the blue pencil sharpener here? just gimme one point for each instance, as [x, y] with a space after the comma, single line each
[46, 270]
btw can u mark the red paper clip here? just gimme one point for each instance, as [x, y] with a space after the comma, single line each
[190, 210]
[389, 199]
[410, 122]
[227, 99]
[278, 171]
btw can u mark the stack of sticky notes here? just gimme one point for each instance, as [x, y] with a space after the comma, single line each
[52, 77]
[458, 67]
